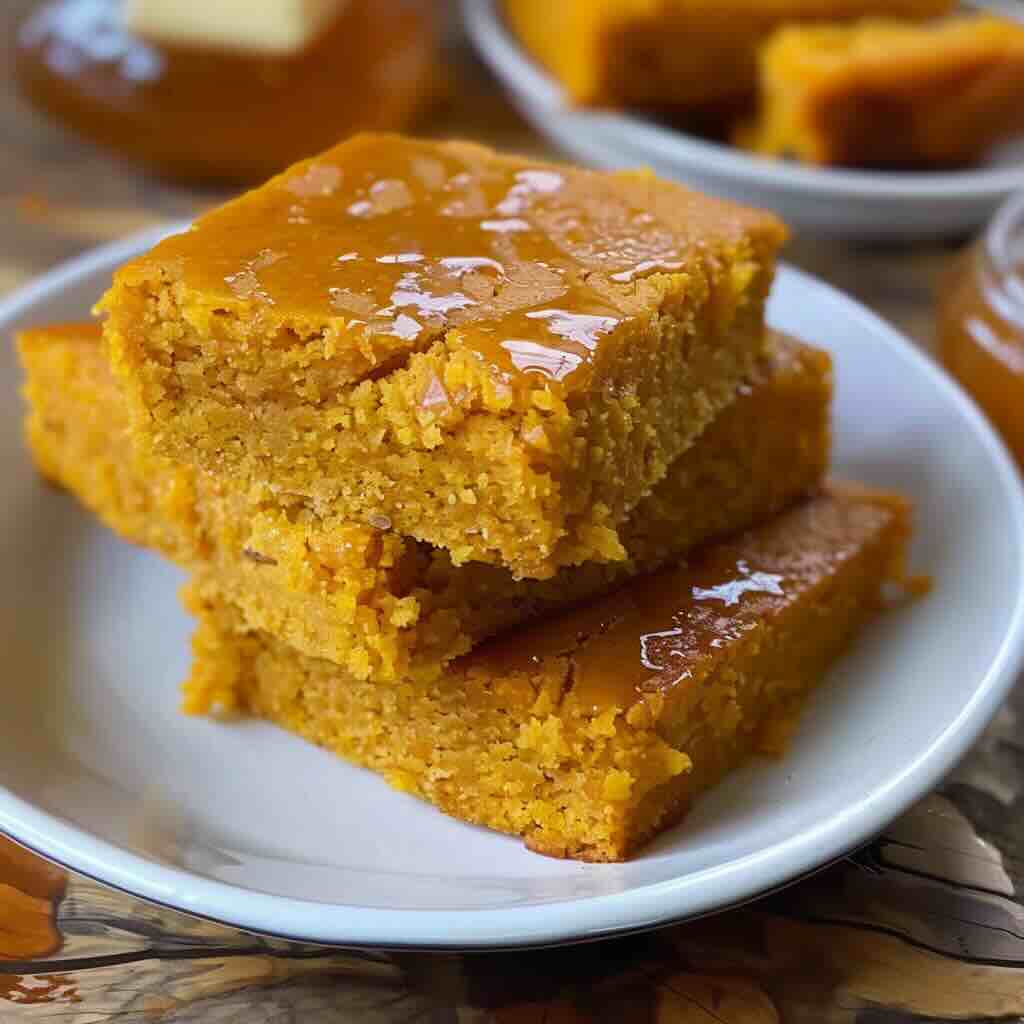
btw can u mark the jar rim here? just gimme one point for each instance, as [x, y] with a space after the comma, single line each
[1004, 235]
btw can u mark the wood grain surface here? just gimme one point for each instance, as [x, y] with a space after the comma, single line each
[924, 924]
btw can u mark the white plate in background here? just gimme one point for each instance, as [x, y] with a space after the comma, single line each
[855, 204]
[248, 825]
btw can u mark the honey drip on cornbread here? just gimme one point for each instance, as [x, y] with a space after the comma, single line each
[663, 633]
[533, 268]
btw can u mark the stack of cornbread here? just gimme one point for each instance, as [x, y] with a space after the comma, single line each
[488, 474]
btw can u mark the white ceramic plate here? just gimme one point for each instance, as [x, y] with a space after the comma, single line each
[248, 825]
[844, 203]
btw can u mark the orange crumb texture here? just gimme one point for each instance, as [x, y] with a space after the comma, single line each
[589, 733]
[493, 355]
[882, 93]
[379, 605]
[673, 53]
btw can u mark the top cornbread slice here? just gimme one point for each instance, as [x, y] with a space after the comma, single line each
[673, 53]
[493, 355]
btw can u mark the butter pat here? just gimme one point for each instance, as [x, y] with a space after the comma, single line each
[278, 27]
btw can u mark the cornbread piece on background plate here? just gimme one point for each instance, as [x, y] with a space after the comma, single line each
[886, 94]
[378, 604]
[495, 356]
[589, 733]
[673, 53]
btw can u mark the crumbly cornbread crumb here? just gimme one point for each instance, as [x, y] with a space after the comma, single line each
[378, 604]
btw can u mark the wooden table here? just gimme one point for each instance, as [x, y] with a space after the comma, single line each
[925, 924]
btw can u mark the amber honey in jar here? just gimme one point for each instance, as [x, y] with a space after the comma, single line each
[227, 90]
[981, 322]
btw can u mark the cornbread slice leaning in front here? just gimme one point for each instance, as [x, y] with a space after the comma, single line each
[589, 733]
[378, 604]
[882, 93]
[496, 356]
[673, 53]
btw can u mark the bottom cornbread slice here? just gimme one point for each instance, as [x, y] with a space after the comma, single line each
[590, 732]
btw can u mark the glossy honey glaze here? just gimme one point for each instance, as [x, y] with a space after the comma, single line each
[670, 630]
[538, 266]
[981, 335]
[227, 115]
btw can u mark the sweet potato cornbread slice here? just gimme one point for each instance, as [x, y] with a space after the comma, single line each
[380, 605]
[496, 356]
[887, 94]
[673, 53]
[589, 733]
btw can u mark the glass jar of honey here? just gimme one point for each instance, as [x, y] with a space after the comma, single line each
[981, 323]
[187, 90]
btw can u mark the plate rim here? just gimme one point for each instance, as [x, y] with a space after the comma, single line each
[519, 73]
[696, 894]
